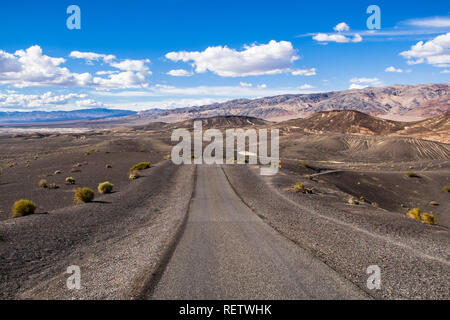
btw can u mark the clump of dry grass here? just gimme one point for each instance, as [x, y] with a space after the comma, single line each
[140, 166]
[353, 201]
[23, 208]
[43, 183]
[105, 187]
[428, 218]
[412, 175]
[70, 180]
[108, 166]
[52, 186]
[134, 174]
[414, 214]
[446, 188]
[433, 203]
[57, 172]
[300, 187]
[83, 195]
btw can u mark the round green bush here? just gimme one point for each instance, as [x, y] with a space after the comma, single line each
[105, 187]
[23, 208]
[83, 195]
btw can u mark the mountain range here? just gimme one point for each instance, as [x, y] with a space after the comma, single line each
[57, 116]
[398, 102]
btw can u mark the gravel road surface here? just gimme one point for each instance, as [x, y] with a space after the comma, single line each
[228, 252]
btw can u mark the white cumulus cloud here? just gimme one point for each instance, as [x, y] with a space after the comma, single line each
[338, 37]
[179, 73]
[17, 101]
[92, 56]
[306, 86]
[361, 83]
[341, 27]
[28, 68]
[435, 52]
[272, 58]
[393, 69]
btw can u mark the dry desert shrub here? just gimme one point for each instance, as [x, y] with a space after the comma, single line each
[70, 180]
[414, 214]
[105, 187]
[411, 175]
[43, 183]
[83, 195]
[428, 218]
[134, 174]
[23, 208]
[140, 166]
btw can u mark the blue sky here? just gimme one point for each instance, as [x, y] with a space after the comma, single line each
[139, 55]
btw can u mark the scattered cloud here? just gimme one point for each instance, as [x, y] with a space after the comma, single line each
[435, 52]
[304, 72]
[23, 102]
[357, 86]
[397, 70]
[446, 71]
[361, 83]
[431, 22]
[179, 73]
[272, 58]
[306, 86]
[91, 56]
[133, 65]
[341, 27]
[30, 68]
[245, 84]
[338, 37]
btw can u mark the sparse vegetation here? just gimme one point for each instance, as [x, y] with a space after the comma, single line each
[83, 195]
[412, 175]
[414, 214]
[446, 188]
[428, 218]
[23, 208]
[300, 187]
[304, 164]
[57, 172]
[70, 180]
[134, 175]
[52, 186]
[433, 203]
[353, 201]
[43, 183]
[140, 166]
[105, 187]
